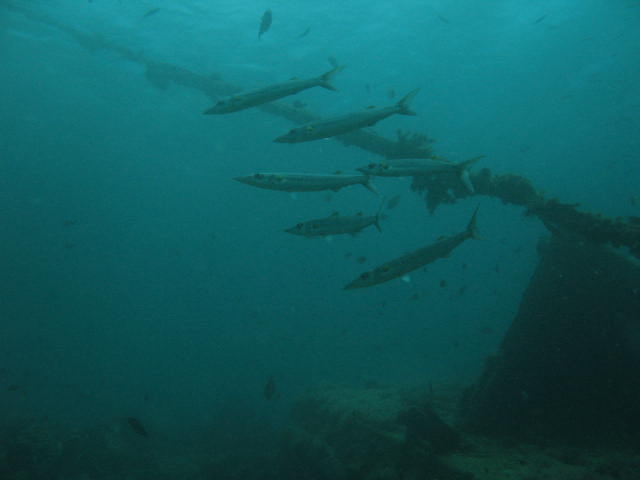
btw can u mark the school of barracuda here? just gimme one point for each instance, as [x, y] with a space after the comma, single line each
[336, 224]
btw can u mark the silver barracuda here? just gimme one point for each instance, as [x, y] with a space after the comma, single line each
[270, 93]
[305, 182]
[414, 260]
[336, 224]
[421, 166]
[346, 123]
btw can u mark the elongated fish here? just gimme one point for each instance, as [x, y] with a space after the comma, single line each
[421, 166]
[346, 123]
[414, 260]
[335, 224]
[305, 182]
[265, 22]
[270, 93]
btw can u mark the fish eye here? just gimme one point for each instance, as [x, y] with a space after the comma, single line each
[364, 276]
[299, 226]
[259, 176]
[372, 165]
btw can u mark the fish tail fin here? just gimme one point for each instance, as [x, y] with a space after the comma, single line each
[472, 228]
[366, 183]
[464, 172]
[403, 104]
[325, 79]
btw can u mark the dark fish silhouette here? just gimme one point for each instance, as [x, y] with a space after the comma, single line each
[137, 426]
[265, 23]
[150, 12]
[269, 390]
[305, 33]
[540, 19]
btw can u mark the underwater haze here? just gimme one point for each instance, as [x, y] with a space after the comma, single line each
[138, 279]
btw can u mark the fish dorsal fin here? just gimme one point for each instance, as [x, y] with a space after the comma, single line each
[294, 78]
[359, 214]
[338, 172]
[369, 107]
[335, 214]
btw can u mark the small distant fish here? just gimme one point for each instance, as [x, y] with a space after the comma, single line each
[414, 297]
[151, 12]
[136, 426]
[361, 260]
[260, 96]
[443, 283]
[269, 390]
[335, 224]
[401, 266]
[462, 290]
[265, 22]
[443, 19]
[421, 166]
[393, 201]
[540, 19]
[305, 33]
[348, 255]
[69, 223]
[14, 388]
[305, 182]
[349, 122]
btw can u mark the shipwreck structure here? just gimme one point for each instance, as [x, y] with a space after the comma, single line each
[569, 363]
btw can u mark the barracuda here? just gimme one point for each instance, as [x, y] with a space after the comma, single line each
[305, 182]
[336, 224]
[414, 260]
[346, 123]
[270, 93]
[421, 166]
